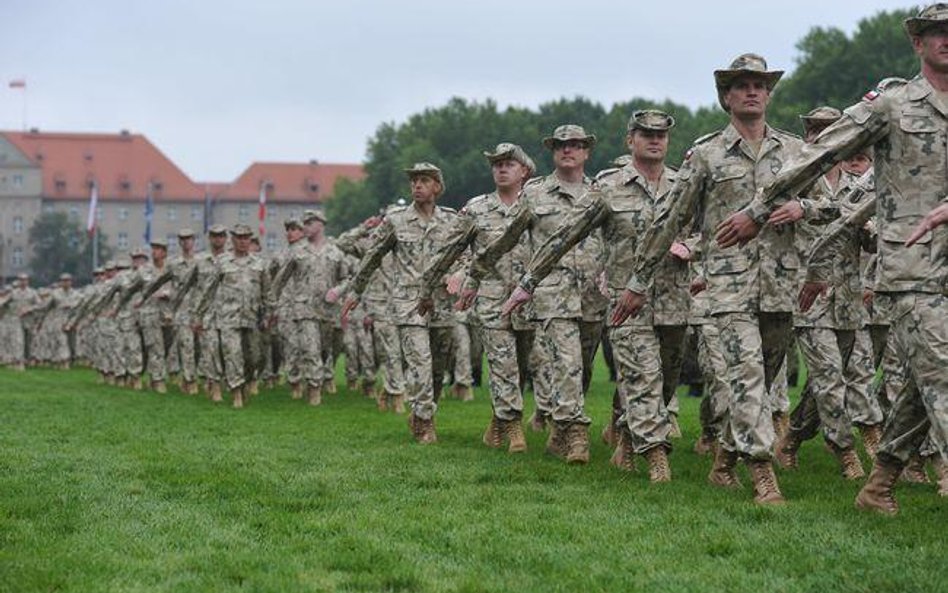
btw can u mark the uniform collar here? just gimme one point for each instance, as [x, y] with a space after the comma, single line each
[919, 88]
[732, 138]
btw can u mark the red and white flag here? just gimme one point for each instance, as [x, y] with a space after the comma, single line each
[19, 83]
[262, 211]
[93, 206]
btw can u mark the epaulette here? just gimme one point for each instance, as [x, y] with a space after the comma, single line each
[883, 86]
[448, 209]
[786, 133]
[672, 167]
[476, 200]
[607, 173]
[534, 181]
[395, 208]
[706, 137]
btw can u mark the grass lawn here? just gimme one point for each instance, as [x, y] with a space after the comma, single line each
[104, 489]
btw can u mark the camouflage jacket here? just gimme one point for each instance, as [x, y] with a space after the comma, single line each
[153, 307]
[482, 220]
[907, 127]
[194, 285]
[355, 242]
[413, 243]
[295, 291]
[571, 289]
[719, 176]
[176, 272]
[237, 288]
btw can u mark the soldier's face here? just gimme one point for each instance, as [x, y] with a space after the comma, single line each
[218, 241]
[508, 173]
[570, 154]
[857, 165]
[648, 145]
[932, 48]
[158, 253]
[187, 244]
[424, 189]
[138, 262]
[241, 244]
[294, 234]
[748, 97]
[313, 228]
[22, 282]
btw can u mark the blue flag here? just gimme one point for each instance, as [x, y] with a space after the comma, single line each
[149, 211]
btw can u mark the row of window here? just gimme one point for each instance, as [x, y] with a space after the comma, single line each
[171, 212]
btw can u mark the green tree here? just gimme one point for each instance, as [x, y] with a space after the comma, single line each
[61, 245]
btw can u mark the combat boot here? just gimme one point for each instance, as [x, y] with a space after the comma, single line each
[658, 469]
[877, 494]
[513, 431]
[781, 422]
[785, 452]
[941, 474]
[914, 471]
[610, 434]
[381, 401]
[494, 435]
[352, 384]
[136, 382]
[624, 455]
[186, 387]
[368, 388]
[538, 421]
[675, 432]
[578, 444]
[766, 490]
[428, 435]
[723, 472]
[296, 391]
[398, 403]
[329, 386]
[238, 394]
[705, 444]
[849, 463]
[194, 390]
[214, 391]
[159, 386]
[462, 392]
[314, 395]
[871, 436]
[556, 444]
[254, 388]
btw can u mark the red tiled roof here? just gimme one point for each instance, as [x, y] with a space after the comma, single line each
[290, 182]
[122, 164]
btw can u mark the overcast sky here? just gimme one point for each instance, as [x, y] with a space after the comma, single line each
[217, 85]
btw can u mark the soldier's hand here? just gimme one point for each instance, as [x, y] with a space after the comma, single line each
[113, 314]
[809, 293]
[867, 297]
[454, 282]
[466, 299]
[602, 283]
[515, 301]
[332, 296]
[351, 303]
[372, 222]
[629, 304]
[425, 306]
[698, 285]
[367, 323]
[680, 250]
[936, 217]
[737, 228]
[197, 328]
[789, 213]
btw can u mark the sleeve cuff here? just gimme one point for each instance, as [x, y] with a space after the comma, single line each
[528, 283]
[636, 285]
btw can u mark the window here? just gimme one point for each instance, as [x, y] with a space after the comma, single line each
[17, 257]
[123, 214]
[122, 241]
[294, 213]
[17, 225]
[17, 181]
[272, 212]
[271, 242]
[242, 212]
[196, 212]
[172, 213]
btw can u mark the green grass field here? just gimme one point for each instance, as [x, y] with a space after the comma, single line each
[104, 489]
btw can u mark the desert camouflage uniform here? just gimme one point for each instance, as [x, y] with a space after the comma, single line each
[210, 366]
[182, 356]
[154, 317]
[21, 300]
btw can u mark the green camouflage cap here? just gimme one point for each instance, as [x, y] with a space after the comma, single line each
[159, 242]
[217, 229]
[820, 118]
[122, 263]
[507, 150]
[314, 214]
[568, 132]
[428, 169]
[930, 16]
[651, 119]
[744, 64]
[186, 233]
[241, 230]
[293, 223]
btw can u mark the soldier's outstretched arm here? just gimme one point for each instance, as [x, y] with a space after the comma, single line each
[205, 299]
[485, 260]
[822, 255]
[384, 241]
[106, 298]
[157, 283]
[187, 283]
[130, 291]
[283, 276]
[350, 242]
[459, 239]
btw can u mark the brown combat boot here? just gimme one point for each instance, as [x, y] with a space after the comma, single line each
[675, 432]
[941, 474]
[538, 421]
[577, 444]
[785, 452]
[462, 392]
[214, 391]
[723, 472]
[849, 463]
[513, 432]
[398, 403]
[556, 443]
[658, 469]
[238, 393]
[368, 388]
[781, 422]
[381, 401]
[766, 490]
[705, 445]
[159, 386]
[314, 395]
[623, 457]
[253, 389]
[186, 387]
[194, 390]
[423, 430]
[871, 436]
[352, 384]
[914, 471]
[296, 391]
[329, 386]
[610, 432]
[136, 383]
[877, 493]
[494, 435]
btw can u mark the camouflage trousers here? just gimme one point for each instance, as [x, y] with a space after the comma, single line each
[359, 350]
[861, 405]
[569, 346]
[388, 352]
[508, 353]
[426, 352]
[210, 364]
[59, 346]
[302, 351]
[754, 347]
[132, 351]
[779, 392]
[714, 405]
[240, 352]
[920, 409]
[636, 351]
[827, 354]
[183, 352]
[671, 340]
[463, 373]
[153, 341]
[17, 343]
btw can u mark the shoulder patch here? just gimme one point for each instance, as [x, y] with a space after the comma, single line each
[872, 95]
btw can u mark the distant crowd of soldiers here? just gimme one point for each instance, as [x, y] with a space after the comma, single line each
[759, 237]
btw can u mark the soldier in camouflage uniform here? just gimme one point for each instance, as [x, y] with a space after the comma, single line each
[907, 127]
[508, 340]
[237, 288]
[414, 234]
[9, 325]
[22, 298]
[60, 305]
[569, 304]
[624, 205]
[750, 288]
